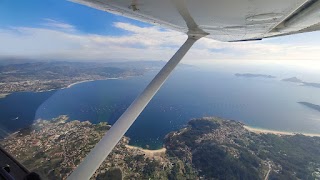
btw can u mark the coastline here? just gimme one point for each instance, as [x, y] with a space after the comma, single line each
[3, 95]
[148, 152]
[79, 82]
[280, 133]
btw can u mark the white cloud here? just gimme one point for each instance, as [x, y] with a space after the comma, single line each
[64, 42]
[58, 25]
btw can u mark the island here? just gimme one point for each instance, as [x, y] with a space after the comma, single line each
[312, 84]
[206, 148]
[249, 75]
[296, 80]
[293, 79]
[310, 105]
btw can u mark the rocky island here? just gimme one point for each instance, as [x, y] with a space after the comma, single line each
[249, 75]
[207, 148]
[296, 80]
[293, 79]
[310, 105]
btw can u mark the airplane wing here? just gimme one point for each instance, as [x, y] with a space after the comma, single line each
[223, 20]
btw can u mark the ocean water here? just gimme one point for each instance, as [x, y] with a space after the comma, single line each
[188, 93]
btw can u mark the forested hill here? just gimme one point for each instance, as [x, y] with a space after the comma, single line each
[207, 148]
[224, 149]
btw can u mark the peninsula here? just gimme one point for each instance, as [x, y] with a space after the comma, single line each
[207, 148]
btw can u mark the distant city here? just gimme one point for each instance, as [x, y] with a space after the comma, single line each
[44, 76]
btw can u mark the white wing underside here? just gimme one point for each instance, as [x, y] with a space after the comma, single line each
[223, 20]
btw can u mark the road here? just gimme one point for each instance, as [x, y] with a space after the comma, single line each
[267, 175]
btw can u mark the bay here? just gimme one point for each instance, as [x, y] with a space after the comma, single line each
[188, 93]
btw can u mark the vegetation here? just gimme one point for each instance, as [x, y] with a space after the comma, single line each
[223, 149]
[114, 174]
[207, 148]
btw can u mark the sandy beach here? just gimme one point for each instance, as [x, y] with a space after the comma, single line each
[267, 131]
[148, 152]
[70, 85]
[4, 95]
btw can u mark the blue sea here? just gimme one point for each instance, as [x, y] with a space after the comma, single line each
[188, 93]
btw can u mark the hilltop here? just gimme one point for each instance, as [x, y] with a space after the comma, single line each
[207, 148]
[223, 149]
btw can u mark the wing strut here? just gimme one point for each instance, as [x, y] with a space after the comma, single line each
[99, 153]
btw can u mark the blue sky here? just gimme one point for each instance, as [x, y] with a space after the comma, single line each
[63, 30]
[86, 19]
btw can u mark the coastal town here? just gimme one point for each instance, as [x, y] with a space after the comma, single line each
[54, 148]
[41, 85]
[204, 149]
[46, 76]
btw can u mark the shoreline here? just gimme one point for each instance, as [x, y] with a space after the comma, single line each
[79, 82]
[276, 132]
[3, 95]
[148, 152]
[75, 83]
